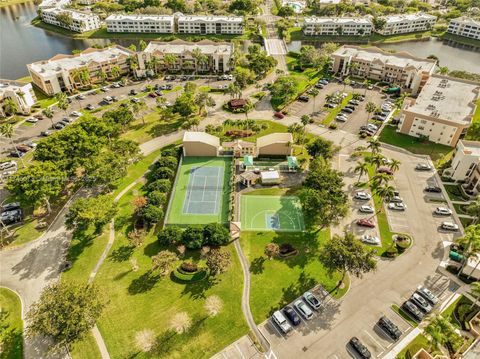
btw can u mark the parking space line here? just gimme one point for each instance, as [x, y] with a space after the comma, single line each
[241, 354]
[376, 342]
[277, 330]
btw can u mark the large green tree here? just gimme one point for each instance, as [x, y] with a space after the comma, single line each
[96, 211]
[65, 312]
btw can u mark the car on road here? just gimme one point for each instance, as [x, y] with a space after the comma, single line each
[364, 196]
[433, 189]
[278, 115]
[449, 226]
[303, 309]
[303, 98]
[9, 217]
[312, 300]
[80, 97]
[32, 120]
[281, 321]
[369, 239]
[443, 211]
[366, 209]
[413, 310]
[423, 167]
[46, 133]
[386, 170]
[427, 294]
[421, 303]
[397, 206]
[90, 107]
[390, 328]
[366, 223]
[360, 348]
[292, 315]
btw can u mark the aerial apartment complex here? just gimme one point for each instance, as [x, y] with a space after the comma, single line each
[79, 21]
[443, 110]
[218, 56]
[20, 92]
[400, 69]
[401, 24]
[465, 26]
[204, 25]
[69, 72]
[337, 26]
[161, 24]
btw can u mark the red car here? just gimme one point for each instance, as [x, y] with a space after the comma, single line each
[365, 223]
[152, 94]
[385, 170]
[279, 115]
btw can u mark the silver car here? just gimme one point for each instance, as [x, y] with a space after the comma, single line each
[313, 301]
[443, 211]
[303, 309]
[421, 302]
[364, 196]
[281, 321]
[366, 209]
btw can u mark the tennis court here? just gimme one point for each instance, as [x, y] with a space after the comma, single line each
[201, 193]
[271, 213]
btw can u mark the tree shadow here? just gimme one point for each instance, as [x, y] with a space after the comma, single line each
[122, 253]
[122, 275]
[196, 290]
[152, 249]
[257, 265]
[144, 283]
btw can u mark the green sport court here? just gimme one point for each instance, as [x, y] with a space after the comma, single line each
[271, 213]
[201, 194]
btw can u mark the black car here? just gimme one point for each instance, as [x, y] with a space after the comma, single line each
[319, 86]
[58, 126]
[379, 117]
[347, 110]
[292, 315]
[159, 93]
[303, 98]
[389, 328]
[413, 310]
[351, 107]
[133, 92]
[434, 189]
[330, 105]
[168, 86]
[360, 348]
[17, 154]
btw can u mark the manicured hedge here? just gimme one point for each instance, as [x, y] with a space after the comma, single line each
[184, 276]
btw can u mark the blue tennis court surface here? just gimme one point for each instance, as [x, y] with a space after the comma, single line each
[204, 190]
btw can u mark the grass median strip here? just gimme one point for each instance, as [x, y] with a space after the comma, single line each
[404, 315]
[335, 111]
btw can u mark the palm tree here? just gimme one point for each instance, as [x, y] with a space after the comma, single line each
[329, 98]
[295, 129]
[133, 65]
[437, 331]
[200, 58]
[137, 108]
[370, 107]
[203, 99]
[102, 75]
[170, 60]
[10, 107]
[473, 210]
[443, 70]
[471, 242]
[7, 130]
[304, 120]
[346, 82]
[234, 90]
[380, 179]
[394, 165]
[374, 146]
[62, 101]
[115, 72]
[314, 94]
[366, 83]
[361, 168]
[48, 112]
[376, 160]
[475, 289]
[385, 192]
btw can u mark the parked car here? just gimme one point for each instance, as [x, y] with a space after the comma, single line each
[434, 189]
[354, 102]
[413, 310]
[351, 107]
[67, 120]
[90, 107]
[303, 98]
[8, 165]
[152, 94]
[303, 309]
[135, 100]
[32, 120]
[31, 144]
[23, 148]
[347, 110]
[360, 348]
[158, 93]
[366, 209]
[385, 170]
[292, 315]
[449, 226]
[10, 207]
[168, 86]
[278, 115]
[379, 118]
[330, 105]
[364, 196]
[80, 97]
[46, 133]
[421, 303]
[58, 126]
[423, 167]
[428, 295]
[341, 118]
[369, 239]
[396, 199]
[17, 154]
[312, 300]
[443, 211]
[365, 223]
[76, 114]
[319, 86]
[372, 126]
[133, 92]
[39, 117]
[390, 328]
[397, 206]
[281, 321]
[114, 99]
[9, 217]
[105, 89]
[169, 77]
[115, 85]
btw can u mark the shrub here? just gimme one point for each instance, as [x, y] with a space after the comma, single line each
[332, 126]
[192, 237]
[167, 161]
[162, 173]
[189, 267]
[173, 151]
[391, 251]
[190, 277]
[170, 235]
[156, 198]
[151, 214]
[286, 248]
[215, 234]
[161, 185]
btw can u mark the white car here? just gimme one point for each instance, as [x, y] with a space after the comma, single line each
[367, 209]
[364, 196]
[397, 206]
[32, 120]
[76, 114]
[372, 127]
[449, 226]
[303, 309]
[341, 118]
[443, 211]
[369, 239]
[423, 167]
[281, 321]
[370, 87]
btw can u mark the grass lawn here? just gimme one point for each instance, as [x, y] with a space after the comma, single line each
[436, 151]
[276, 282]
[334, 111]
[454, 192]
[219, 198]
[264, 213]
[404, 315]
[86, 348]
[475, 119]
[152, 126]
[12, 325]
[466, 221]
[419, 342]
[273, 127]
[142, 300]
[26, 232]
[461, 39]
[465, 306]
